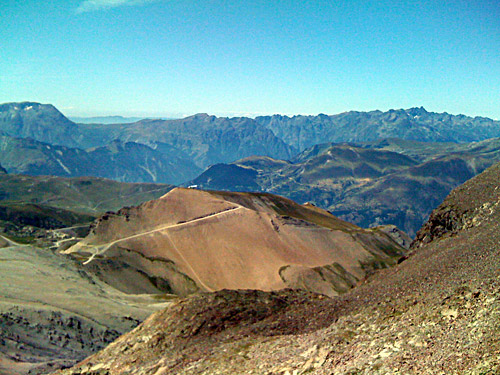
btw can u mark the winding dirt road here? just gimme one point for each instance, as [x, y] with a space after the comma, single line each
[105, 247]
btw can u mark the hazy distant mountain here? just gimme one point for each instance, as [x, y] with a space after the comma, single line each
[105, 119]
[45, 123]
[208, 140]
[424, 151]
[365, 186]
[205, 139]
[302, 132]
[129, 162]
[42, 122]
[27, 156]
[135, 162]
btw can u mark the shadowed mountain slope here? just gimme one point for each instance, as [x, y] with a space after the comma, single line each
[436, 312]
[41, 216]
[369, 184]
[406, 198]
[126, 162]
[135, 162]
[323, 165]
[192, 240]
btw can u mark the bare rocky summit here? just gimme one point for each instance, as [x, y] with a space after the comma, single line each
[438, 312]
[190, 240]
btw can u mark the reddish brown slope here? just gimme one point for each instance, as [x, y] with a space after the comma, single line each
[191, 239]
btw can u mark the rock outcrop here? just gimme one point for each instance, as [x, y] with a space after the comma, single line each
[472, 204]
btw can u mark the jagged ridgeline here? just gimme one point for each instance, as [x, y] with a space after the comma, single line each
[370, 182]
[177, 150]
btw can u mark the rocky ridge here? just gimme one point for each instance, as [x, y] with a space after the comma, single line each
[472, 204]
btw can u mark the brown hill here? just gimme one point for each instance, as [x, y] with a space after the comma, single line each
[191, 240]
[435, 313]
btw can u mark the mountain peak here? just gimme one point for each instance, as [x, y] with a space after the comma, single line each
[207, 233]
[417, 111]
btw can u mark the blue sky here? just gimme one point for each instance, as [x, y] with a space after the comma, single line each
[179, 57]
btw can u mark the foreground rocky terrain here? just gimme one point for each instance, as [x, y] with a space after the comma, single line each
[438, 312]
[53, 312]
[56, 309]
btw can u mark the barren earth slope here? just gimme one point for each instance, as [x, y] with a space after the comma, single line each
[191, 240]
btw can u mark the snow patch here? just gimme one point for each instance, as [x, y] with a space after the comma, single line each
[153, 175]
[63, 166]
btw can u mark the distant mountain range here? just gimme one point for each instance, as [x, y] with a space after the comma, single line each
[383, 176]
[207, 140]
[105, 120]
[202, 139]
[417, 124]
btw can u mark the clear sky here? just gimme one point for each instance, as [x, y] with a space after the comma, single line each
[180, 57]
